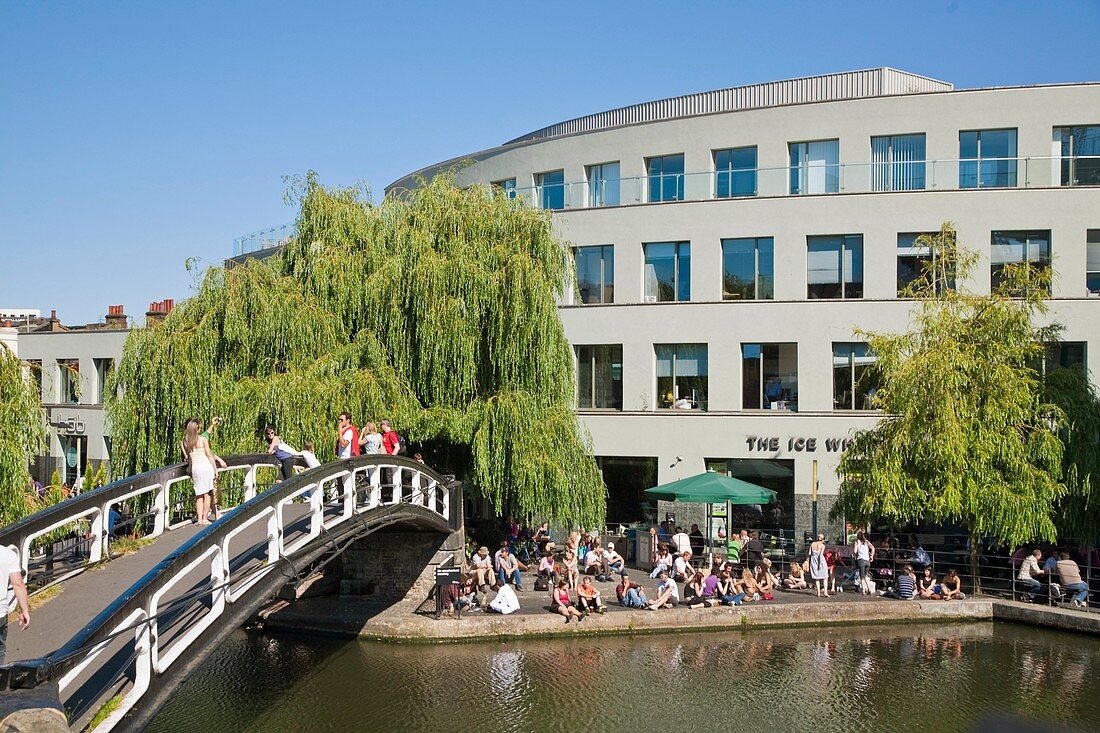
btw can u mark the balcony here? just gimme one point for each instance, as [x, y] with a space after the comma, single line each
[823, 179]
[264, 239]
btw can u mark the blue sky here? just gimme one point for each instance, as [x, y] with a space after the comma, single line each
[134, 135]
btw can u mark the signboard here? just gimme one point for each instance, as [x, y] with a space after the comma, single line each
[70, 454]
[446, 576]
[71, 425]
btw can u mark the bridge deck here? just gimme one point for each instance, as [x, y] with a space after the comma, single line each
[86, 595]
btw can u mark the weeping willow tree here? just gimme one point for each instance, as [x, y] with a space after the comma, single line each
[1071, 390]
[435, 309]
[22, 434]
[968, 438]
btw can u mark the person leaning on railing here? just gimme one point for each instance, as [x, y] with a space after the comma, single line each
[13, 583]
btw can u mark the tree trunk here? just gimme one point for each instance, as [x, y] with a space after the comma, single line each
[974, 555]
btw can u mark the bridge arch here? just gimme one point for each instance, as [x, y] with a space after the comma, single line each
[137, 650]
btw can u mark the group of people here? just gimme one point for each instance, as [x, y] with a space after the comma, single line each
[1061, 564]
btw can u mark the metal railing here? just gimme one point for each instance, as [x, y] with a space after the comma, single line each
[169, 619]
[160, 501]
[953, 174]
[275, 236]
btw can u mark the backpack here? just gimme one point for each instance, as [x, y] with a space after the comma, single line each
[921, 557]
[402, 446]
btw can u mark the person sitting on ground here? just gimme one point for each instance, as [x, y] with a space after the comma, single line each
[1070, 575]
[583, 545]
[905, 586]
[668, 595]
[456, 597]
[927, 587]
[796, 578]
[695, 593]
[561, 603]
[570, 571]
[764, 582]
[612, 561]
[663, 563]
[548, 568]
[752, 552]
[682, 571]
[481, 570]
[749, 585]
[630, 595]
[588, 596]
[593, 562]
[773, 576]
[681, 541]
[1029, 568]
[726, 590]
[543, 535]
[508, 570]
[951, 587]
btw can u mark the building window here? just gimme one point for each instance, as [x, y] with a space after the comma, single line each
[551, 189]
[682, 376]
[815, 167]
[626, 479]
[769, 376]
[35, 366]
[987, 159]
[1080, 154]
[748, 271]
[603, 184]
[1092, 262]
[735, 172]
[667, 271]
[666, 177]
[506, 187]
[1061, 355]
[600, 377]
[915, 260]
[69, 380]
[854, 377]
[1030, 248]
[595, 274]
[897, 163]
[771, 473]
[834, 266]
[103, 369]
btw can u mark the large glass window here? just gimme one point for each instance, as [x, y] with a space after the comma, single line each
[69, 380]
[735, 172]
[626, 479]
[603, 184]
[776, 518]
[103, 368]
[748, 271]
[551, 189]
[666, 177]
[834, 266]
[987, 159]
[1092, 262]
[1062, 355]
[855, 379]
[914, 260]
[600, 377]
[682, 376]
[897, 163]
[1014, 248]
[1080, 154]
[667, 271]
[506, 187]
[769, 376]
[595, 274]
[815, 167]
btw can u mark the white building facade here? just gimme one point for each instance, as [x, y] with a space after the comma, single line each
[730, 244]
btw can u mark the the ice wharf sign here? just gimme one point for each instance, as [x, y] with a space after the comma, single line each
[797, 445]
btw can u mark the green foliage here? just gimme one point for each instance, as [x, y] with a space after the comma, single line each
[435, 309]
[968, 438]
[1072, 391]
[22, 434]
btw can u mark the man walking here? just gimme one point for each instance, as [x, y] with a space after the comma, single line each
[9, 566]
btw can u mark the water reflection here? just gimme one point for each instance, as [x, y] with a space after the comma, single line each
[881, 679]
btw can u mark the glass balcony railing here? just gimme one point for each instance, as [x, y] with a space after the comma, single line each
[822, 178]
[271, 238]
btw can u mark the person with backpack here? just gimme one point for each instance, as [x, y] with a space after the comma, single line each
[392, 443]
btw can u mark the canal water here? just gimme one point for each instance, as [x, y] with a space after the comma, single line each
[882, 679]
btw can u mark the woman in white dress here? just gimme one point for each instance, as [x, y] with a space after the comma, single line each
[200, 459]
[819, 570]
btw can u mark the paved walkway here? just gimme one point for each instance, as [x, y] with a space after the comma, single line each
[84, 596]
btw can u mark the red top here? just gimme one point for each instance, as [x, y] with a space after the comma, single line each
[354, 440]
[390, 441]
[562, 597]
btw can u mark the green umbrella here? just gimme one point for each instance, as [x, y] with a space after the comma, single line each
[712, 488]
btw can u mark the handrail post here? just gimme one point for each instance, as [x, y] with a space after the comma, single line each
[160, 507]
[250, 483]
[98, 532]
[375, 478]
[348, 483]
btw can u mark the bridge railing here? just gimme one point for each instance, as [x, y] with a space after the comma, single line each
[85, 520]
[211, 584]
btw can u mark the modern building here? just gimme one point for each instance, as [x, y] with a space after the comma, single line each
[730, 244]
[71, 364]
